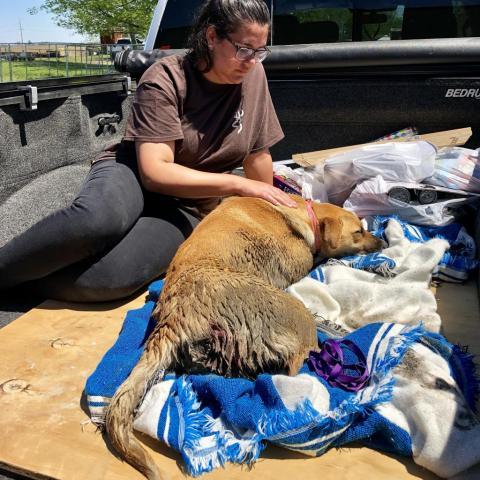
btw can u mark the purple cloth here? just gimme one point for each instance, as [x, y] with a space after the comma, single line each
[329, 364]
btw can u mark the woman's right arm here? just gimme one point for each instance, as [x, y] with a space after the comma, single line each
[160, 174]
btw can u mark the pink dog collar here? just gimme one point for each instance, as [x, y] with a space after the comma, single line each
[315, 225]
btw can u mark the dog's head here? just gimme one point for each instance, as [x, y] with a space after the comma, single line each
[344, 235]
[341, 232]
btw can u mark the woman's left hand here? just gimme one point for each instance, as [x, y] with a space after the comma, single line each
[258, 189]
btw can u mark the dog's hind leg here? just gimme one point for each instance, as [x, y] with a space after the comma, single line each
[299, 322]
[255, 327]
[288, 331]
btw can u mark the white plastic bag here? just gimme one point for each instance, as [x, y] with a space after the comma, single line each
[394, 161]
[457, 167]
[372, 197]
[308, 181]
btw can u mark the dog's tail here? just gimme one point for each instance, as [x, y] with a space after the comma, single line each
[121, 411]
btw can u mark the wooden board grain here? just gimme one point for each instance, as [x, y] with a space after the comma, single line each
[48, 353]
[447, 138]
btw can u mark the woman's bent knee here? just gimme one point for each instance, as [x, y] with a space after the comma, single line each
[107, 207]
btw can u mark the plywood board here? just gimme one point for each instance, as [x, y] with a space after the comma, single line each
[48, 353]
[445, 138]
[458, 306]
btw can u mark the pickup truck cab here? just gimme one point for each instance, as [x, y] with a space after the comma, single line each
[320, 21]
[348, 72]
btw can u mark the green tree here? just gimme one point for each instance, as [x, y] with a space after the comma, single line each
[93, 17]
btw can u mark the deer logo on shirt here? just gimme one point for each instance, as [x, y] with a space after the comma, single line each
[237, 123]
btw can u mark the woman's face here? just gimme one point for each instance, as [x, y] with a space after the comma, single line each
[226, 67]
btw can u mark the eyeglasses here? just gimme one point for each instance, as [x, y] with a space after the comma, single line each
[245, 54]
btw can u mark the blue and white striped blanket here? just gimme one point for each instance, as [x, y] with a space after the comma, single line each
[455, 264]
[419, 401]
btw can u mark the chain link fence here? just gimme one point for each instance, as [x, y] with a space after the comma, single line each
[35, 61]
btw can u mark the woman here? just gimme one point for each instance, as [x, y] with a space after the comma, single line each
[195, 117]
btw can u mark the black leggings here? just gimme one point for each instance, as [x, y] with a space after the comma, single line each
[111, 241]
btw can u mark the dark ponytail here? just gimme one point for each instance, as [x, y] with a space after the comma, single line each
[226, 16]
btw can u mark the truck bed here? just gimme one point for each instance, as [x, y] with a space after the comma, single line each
[326, 96]
[46, 432]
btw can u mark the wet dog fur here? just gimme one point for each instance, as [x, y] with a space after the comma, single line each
[223, 308]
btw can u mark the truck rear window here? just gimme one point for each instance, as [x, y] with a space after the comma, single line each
[345, 21]
[326, 21]
[176, 22]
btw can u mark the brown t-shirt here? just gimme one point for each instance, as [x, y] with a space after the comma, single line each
[214, 126]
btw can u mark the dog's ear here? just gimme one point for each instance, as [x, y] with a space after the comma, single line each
[331, 231]
[297, 219]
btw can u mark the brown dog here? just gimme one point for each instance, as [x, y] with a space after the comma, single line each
[223, 308]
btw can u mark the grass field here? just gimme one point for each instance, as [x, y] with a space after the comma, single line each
[39, 68]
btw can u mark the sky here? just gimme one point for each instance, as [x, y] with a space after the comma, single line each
[36, 28]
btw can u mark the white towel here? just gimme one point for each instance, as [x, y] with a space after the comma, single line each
[352, 298]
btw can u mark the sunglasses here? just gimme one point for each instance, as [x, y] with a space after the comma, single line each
[245, 54]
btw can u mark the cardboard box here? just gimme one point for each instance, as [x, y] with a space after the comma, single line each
[447, 138]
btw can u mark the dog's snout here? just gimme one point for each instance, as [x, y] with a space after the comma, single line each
[373, 244]
[378, 244]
